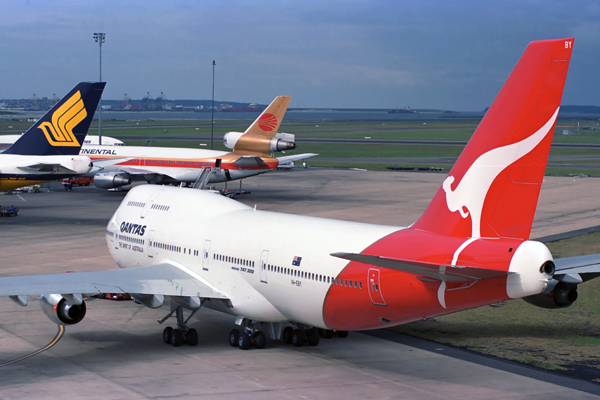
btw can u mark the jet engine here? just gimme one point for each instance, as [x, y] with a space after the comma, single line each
[63, 311]
[558, 294]
[111, 180]
[258, 143]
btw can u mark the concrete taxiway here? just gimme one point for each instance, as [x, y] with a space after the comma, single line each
[117, 351]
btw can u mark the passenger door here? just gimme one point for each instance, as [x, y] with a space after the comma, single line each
[264, 258]
[374, 287]
[205, 254]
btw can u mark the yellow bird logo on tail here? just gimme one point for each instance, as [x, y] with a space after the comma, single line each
[64, 119]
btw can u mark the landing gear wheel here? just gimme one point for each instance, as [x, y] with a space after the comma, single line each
[298, 338]
[244, 341]
[313, 337]
[286, 335]
[191, 337]
[176, 338]
[326, 333]
[167, 334]
[260, 340]
[234, 337]
[342, 334]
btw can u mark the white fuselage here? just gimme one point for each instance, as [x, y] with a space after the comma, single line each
[198, 233]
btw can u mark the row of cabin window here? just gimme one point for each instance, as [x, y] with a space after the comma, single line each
[313, 276]
[136, 204]
[207, 164]
[160, 207]
[233, 260]
[130, 239]
[165, 246]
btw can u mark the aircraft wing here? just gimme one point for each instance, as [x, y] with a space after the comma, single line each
[295, 157]
[446, 273]
[169, 279]
[577, 269]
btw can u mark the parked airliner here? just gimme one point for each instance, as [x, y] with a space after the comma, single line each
[251, 155]
[470, 248]
[49, 150]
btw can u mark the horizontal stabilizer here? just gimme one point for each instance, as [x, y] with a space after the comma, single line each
[168, 279]
[42, 168]
[587, 267]
[446, 273]
[295, 157]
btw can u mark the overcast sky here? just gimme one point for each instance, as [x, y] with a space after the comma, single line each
[373, 54]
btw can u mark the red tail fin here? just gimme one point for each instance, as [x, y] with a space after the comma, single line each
[493, 189]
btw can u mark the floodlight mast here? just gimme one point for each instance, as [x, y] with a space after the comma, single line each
[212, 122]
[100, 38]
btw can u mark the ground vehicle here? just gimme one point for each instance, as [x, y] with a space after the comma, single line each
[80, 181]
[10, 211]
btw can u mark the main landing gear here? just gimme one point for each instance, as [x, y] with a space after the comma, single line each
[249, 336]
[301, 335]
[181, 334]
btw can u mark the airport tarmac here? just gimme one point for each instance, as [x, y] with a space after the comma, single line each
[117, 350]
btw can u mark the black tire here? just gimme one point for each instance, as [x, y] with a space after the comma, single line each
[327, 333]
[66, 187]
[298, 338]
[261, 340]
[244, 341]
[191, 337]
[342, 334]
[176, 338]
[87, 184]
[234, 337]
[313, 337]
[167, 334]
[286, 335]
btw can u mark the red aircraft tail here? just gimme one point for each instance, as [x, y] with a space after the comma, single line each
[493, 189]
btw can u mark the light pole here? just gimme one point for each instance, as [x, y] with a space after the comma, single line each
[100, 38]
[212, 122]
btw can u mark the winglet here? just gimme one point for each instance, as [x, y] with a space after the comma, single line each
[493, 189]
[61, 130]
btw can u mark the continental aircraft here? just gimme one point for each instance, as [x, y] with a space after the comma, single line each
[251, 155]
[470, 248]
[49, 150]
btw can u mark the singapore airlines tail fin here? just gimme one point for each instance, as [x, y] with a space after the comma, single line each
[268, 122]
[61, 130]
[493, 189]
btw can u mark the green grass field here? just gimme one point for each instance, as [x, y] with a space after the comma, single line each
[363, 155]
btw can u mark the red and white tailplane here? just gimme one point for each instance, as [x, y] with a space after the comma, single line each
[493, 189]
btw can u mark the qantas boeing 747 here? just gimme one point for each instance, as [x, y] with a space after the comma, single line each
[470, 248]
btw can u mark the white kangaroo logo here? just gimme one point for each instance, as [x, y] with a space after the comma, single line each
[472, 189]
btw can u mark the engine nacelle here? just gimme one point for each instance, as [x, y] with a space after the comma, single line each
[61, 311]
[556, 295]
[111, 180]
[257, 143]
